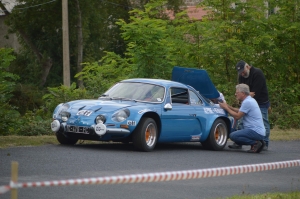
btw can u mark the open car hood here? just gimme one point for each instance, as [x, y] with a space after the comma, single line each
[198, 79]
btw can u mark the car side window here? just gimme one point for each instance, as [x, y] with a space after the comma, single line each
[194, 99]
[179, 95]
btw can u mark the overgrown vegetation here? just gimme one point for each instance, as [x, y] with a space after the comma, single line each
[8, 113]
[151, 45]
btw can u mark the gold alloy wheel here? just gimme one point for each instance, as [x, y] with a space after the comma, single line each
[220, 134]
[150, 135]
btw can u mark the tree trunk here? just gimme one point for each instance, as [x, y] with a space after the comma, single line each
[79, 45]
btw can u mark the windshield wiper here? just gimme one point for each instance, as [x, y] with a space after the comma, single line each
[121, 98]
[104, 96]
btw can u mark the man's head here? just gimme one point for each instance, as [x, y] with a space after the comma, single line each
[243, 68]
[242, 91]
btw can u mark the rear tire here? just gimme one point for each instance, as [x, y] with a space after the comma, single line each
[218, 136]
[145, 135]
[65, 140]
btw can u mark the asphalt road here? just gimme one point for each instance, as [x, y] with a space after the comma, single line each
[57, 162]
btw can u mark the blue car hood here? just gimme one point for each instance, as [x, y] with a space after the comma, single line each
[196, 78]
[105, 106]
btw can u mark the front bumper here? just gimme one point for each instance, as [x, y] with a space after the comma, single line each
[99, 129]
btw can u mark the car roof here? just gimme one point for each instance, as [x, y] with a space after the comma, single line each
[161, 82]
[184, 77]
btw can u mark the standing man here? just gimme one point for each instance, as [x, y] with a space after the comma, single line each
[256, 81]
[254, 131]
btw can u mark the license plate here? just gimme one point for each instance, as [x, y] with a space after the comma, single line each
[77, 129]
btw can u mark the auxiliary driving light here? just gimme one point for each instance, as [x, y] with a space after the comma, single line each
[65, 116]
[100, 119]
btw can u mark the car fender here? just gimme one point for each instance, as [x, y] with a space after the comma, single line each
[56, 109]
[136, 113]
[210, 122]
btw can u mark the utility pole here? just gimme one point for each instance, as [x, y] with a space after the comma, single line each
[66, 53]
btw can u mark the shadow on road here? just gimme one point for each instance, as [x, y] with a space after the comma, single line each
[118, 146]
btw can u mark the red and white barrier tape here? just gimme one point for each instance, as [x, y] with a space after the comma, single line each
[158, 177]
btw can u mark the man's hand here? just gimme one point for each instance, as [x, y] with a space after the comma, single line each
[234, 112]
[223, 105]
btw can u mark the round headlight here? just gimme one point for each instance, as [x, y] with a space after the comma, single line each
[65, 116]
[100, 119]
[121, 115]
[63, 108]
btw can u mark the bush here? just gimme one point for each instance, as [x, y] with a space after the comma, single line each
[27, 98]
[59, 95]
[8, 113]
[32, 124]
[9, 119]
[285, 105]
[99, 76]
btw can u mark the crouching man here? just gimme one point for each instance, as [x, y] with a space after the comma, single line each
[254, 129]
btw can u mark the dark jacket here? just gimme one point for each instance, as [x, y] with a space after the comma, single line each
[257, 83]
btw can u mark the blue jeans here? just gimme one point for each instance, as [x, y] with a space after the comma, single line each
[265, 116]
[264, 112]
[245, 137]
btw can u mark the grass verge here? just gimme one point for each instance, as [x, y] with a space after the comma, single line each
[13, 141]
[290, 195]
[284, 135]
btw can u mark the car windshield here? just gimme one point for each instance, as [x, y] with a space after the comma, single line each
[208, 100]
[135, 91]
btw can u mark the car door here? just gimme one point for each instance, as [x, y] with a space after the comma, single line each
[179, 123]
[200, 110]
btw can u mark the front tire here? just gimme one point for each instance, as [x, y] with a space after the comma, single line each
[217, 137]
[65, 140]
[145, 135]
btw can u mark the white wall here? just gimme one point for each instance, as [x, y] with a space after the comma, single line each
[7, 40]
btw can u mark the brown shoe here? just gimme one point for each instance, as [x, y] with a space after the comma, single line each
[256, 148]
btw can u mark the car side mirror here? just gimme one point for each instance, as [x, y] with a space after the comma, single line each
[168, 106]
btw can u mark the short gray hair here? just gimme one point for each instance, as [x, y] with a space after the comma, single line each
[244, 88]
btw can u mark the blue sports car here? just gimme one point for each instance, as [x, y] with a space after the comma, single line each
[147, 111]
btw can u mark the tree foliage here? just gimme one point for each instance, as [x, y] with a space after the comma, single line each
[228, 33]
[8, 113]
[39, 29]
[99, 76]
[144, 42]
[148, 53]
[92, 32]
